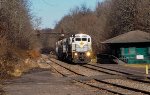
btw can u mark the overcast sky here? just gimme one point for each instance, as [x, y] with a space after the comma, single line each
[51, 11]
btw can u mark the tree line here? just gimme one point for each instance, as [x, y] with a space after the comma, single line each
[16, 31]
[110, 18]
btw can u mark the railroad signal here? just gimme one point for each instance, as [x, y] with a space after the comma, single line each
[62, 33]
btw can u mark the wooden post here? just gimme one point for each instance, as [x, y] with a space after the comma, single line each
[146, 69]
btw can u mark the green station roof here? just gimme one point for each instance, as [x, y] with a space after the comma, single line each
[136, 36]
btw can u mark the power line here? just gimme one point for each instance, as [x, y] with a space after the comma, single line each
[47, 3]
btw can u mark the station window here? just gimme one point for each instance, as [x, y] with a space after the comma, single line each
[78, 39]
[84, 39]
[122, 51]
[132, 50]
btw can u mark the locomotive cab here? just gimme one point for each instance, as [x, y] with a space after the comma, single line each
[81, 48]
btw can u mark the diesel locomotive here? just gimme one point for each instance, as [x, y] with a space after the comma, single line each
[76, 49]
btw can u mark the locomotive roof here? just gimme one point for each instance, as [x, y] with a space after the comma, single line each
[136, 36]
[81, 35]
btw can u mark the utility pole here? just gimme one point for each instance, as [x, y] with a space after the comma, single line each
[62, 35]
[136, 26]
[1, 3]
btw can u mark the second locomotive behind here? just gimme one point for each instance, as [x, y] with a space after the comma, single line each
[76, 49]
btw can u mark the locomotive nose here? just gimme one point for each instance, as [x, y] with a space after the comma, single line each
[81, 44]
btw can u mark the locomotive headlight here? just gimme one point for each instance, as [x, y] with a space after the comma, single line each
[76, 54]
[88, 54]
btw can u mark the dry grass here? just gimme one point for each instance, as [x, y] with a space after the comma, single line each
[22, 67]
[12, 69]
[94, 61]
[137, 65]
[26, 64]
[33, 54]
[13, 64]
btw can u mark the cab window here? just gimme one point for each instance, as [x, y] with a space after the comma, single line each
[88, 39]
[78, 39]
[84, 39]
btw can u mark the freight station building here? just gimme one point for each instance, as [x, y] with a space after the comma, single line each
[132, 47]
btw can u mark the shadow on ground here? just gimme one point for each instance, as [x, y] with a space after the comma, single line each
[105, 59]
[2, 92]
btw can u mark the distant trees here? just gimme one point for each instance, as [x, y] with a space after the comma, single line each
[79, 20]
[83, 20]
[128, 15]
[44, 38]
[110, 18]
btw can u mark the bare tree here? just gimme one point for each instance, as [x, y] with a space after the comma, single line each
[111, 18]
[16, 33]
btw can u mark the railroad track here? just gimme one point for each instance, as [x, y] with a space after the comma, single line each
[117, 72]
[120, 89]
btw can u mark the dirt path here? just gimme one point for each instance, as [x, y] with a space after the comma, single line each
[44, 82]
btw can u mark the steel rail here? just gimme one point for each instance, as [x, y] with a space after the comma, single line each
[97, 87]
[125, 73]
[79, 80]
[115, 85]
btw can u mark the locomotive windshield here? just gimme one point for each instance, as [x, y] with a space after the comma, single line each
[78, 39]
[81, 39]
[84, 39]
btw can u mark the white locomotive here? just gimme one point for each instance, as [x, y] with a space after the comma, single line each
[77, 48]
